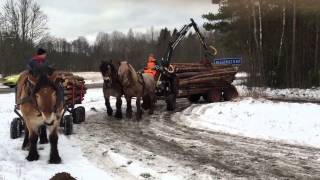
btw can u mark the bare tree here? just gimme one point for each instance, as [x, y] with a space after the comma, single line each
[25, 19]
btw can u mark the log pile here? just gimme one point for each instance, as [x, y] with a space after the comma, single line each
[196, 78]
[74, 88]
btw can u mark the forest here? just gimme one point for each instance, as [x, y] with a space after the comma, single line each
[278, 41]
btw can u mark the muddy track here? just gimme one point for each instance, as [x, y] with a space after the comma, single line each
[217, 154]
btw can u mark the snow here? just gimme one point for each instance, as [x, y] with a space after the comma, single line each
[12, 159]
[287, 122]
[304, 94]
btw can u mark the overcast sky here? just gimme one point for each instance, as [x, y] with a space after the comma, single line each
[72, 18]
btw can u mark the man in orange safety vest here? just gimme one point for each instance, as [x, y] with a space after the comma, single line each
[150, 69]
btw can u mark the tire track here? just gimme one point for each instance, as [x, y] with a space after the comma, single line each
[217, 154]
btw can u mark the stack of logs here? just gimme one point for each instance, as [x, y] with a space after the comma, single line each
[196, 78]
[74, 88]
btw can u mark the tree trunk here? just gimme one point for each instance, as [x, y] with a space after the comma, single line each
[282, 34]
[261, 64]
[316, 49]
[294, 20]
[254, 24]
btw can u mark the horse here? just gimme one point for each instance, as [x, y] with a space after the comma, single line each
[111, 87]
[137, 85]
[41, 104]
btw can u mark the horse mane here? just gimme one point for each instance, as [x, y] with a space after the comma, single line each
[133, 73]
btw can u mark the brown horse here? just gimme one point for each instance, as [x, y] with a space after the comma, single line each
[40, 104]
[111, 87]
[137, 85]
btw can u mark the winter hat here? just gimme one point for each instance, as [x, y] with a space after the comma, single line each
[41, 51]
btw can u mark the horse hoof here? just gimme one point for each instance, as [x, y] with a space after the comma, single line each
[33, 157]
[110, 113]
[55, 160]
[118, 115]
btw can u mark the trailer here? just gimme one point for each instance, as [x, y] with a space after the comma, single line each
[74, 89]
[194, 80]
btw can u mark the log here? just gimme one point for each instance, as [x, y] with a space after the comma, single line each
[220, 83]
[206, 80]
[68, 87]
[209, 73]
[215, 74]
[76, 92]
[68, 82]
[189, 69]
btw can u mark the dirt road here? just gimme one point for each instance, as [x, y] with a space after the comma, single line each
[167, 146]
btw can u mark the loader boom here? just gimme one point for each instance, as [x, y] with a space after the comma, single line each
[180, 36]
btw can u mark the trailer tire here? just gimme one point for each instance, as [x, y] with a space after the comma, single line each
[68, 125]
[194, 98]
[16, 128]
[79, 115]
[213, 95]
[171, 102]
[230, 93]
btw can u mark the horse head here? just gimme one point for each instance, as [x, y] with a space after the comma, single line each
[108, 71]
[45, 95]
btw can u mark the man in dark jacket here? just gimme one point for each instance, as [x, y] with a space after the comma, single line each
[39, 61]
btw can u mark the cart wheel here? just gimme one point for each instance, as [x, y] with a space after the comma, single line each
[230, 93]
[16, 128]
[213, 95]
[194, 98]
[171, 102]
[79, 115]
[68, 125]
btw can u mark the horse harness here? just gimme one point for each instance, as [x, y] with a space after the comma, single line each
[141, 81]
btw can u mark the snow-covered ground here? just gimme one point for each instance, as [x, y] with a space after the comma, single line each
[287, 122]
[12, 159]
[291, 93]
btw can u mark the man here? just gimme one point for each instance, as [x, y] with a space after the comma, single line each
[150, 69]
[39, 61]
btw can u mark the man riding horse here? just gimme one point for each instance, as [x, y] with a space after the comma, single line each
[40, 101]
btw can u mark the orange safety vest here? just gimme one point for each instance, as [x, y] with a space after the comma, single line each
[150, 66]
